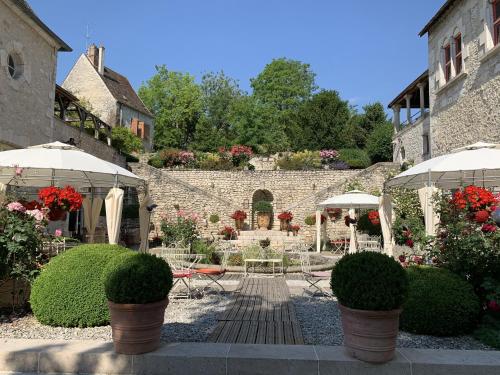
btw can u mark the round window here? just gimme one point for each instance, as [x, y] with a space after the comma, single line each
[15, 65]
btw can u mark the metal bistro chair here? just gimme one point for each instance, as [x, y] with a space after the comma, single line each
[53, 247]
[213, 276]
[369, 243]
[179, 260]
[313, 277]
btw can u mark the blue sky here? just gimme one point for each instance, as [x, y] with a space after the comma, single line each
[367, 50]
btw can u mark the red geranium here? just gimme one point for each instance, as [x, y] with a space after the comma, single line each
[32, 205]
[474, 198]
[239, 215]
[374, 217]
[295, 228]
[66, 199]
[409, 242]
[285, 216]
[489, 228]
[228, 232]
[481, 216]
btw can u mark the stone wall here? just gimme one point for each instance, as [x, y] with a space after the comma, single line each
[467, 108]
[88, 143]
[410, 139]
[26, 103]
[223, 192]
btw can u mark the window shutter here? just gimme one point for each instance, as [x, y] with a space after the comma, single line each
[141, 129]
[133, 125]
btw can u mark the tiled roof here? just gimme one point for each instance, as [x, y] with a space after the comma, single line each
[437, 16]
[122, 90]
[26, 9]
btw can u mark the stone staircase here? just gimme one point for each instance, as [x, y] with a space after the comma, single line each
[249, 237]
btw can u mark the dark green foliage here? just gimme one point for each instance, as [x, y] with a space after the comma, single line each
[379, 143]
[137, 278]
[439, 303]
[320, 123]
[310, 220]
[130, 211]
[124, 140]
[369, 281]
[70, 289]
[156, 161]
[214, 218]
[201, 247]
[355, 158]
[488, 331]
[263, 206]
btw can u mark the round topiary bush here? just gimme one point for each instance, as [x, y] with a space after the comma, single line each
[137, 278]
[69, 292]
[439, 303]
[369, 281]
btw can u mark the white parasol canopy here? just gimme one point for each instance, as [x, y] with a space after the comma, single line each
[61, 164]
[477, 164]
[351, 199]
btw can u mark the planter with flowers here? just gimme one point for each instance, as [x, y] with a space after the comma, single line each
[334, 213]
[285, 218]
[239, 217]
[228, 233]
[371, 288]
[264, 211]
[295, 229]
[59, 201]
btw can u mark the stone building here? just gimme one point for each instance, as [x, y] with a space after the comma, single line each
[28, 59]
[456, 101]
[110, 94]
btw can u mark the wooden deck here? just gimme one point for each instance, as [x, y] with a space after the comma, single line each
[261, 313]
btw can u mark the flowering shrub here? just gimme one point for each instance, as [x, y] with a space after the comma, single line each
[239, 215]
[370, 223]
[172, 157]
[240, 154]
[181, 229]
[66, 199]
[328, 156]
[228, 232]
[295, 228]
[285, 216]
[374, 217]
[468, 242]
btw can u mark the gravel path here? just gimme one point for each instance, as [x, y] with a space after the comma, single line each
[185, 320]
[320, 322]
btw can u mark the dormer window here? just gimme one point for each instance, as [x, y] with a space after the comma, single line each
[458, 54]
[447, 62]
[496, 22]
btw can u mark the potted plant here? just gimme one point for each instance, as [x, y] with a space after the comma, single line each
[264, 211]
[371, 288]
[334, 213]
[228, 233]
[295, 229]
[285, 218]
[137, 287]
[239, 217]
[60, 201]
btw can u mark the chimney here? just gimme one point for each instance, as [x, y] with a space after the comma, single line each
[100, 67]
[93, 55]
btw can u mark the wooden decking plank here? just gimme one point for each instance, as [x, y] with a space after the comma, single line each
[270, 333]
[214, 336]
[225, 331]
[252, 333]
[297, 334]
[280, 335]
[288, 333]
[234, 332]
[261, 333]
[243, 334]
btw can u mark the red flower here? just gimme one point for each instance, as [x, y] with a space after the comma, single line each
[295, 228]
[409, 242]
[481, 216]
[489, 228]
[32, 205]
[239, 215]
[402, 258]
[285, 216]
[474, 198]
[67, 199]
[374, 217]
[493, 306]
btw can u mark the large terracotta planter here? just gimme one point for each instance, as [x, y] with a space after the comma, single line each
[370, 335]
[284, 224]
[137, 327]
[263, 220]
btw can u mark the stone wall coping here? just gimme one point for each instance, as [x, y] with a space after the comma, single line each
[97, 357]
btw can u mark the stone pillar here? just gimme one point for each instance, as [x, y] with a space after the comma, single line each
[408, 107]
[396, 119]
[421, 87]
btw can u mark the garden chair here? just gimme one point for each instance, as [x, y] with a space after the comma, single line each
[181, 262]
[213, 276]
[313, 277]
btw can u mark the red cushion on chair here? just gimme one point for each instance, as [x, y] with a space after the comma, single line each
[322, 274]
[181, 274]
[210, 271]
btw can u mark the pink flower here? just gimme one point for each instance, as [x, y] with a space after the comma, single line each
[58, 233]
[37, 214]
[19, 170]
[16, 206]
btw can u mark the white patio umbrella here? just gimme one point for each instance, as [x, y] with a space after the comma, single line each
[59, 164]
[477, 164]
[350, 200]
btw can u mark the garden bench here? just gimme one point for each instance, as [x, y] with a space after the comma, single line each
[256, 255]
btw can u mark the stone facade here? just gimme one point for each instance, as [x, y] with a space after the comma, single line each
[223, 192]
[466, 109]
[27, 101]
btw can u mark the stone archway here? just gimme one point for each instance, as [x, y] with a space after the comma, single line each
[261, 195]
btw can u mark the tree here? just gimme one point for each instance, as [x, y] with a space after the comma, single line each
[379, 143]
[176, 101]
[220, 93]
[365, 123]
[284, 84]
[321, 123]
[124, 140]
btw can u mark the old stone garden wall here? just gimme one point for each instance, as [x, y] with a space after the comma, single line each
[223, 192]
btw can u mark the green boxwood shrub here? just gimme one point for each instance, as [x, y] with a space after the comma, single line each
[355, 158]
[70, 289]
[263, 206]
[214, 218]
[439, 303]
[137, 278]
[369, 281]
